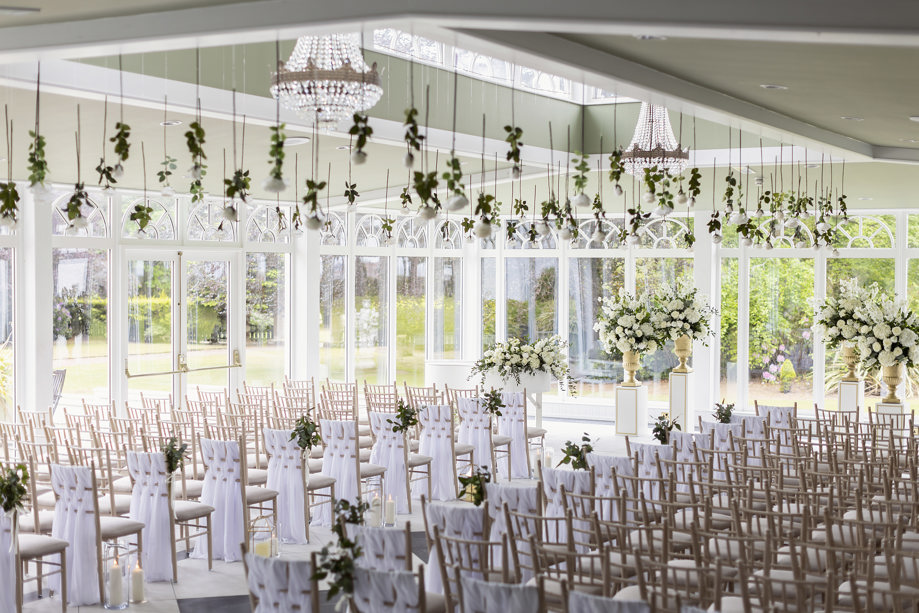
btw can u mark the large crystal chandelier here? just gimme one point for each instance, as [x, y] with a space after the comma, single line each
[326, 79]
[653, 143]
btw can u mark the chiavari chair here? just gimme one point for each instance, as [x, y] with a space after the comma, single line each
[301, 388]
[381, 398]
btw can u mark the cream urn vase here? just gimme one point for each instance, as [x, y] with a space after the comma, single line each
[850, 358]
[631, 362]
[891, 375]
[682, 347]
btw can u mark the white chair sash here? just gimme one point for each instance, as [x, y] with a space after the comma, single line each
[285, 477]
[513, 423]
[222, 490]
[150, 505]
[475, 430]
[280, 585]
[685, 444]
[7, 565]
[754, 425]
[588, 603]
[436, 442]
[605, 485]
[575, 481]
[721, 441]
[381, 548]
[381, 591]
[389, 451]
[461, 521]
[490, 597]
[647, 454]
[338, 462]
[523, 498]
[75, 522]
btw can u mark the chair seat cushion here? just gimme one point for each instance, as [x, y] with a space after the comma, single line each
[116, 527]
[533, 432]
[46, 500]
[122, 485]
[35, 546]
[45, 522]
[372, 470]
[253, 460]
[122, 505]
[319, 482]
[462, 449]
[256, 494]
[186, 510]
[193, 489]
[415, 460]
[499, 439]
[257, 476]
[434, 602]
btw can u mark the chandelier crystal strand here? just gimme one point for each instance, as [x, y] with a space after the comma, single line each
[654, 144]
[327, 80]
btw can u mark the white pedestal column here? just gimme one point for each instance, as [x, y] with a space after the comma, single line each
[890, 408]
[533, 385]
[632, 411]
[682, 386]
[852, 395]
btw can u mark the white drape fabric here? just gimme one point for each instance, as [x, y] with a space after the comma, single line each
[684, 445]
[513, 423]
[379, 591]
[721, 441]
[389, 451]
[776, 417]
[588, 603]
[575, 481]
[381, 548]
[280, 585]
[647, 454]
[459, 520]
[222, 490]
[754, 425]
[491, 597]
[519, 497]
[150, 505]
[339, 462]
[475, 430]
[608, 473]
[285, 477]
[75, 522]
[437, 443]
[7, 565]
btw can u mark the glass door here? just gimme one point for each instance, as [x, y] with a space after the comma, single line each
[179, 322]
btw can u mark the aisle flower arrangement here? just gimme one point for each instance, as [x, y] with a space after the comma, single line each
[682, 312]
[628, 323]
[889, 334]
[840, 320]
[511, 359]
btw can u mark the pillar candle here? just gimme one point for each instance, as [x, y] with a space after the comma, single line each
[390, 511]
[115, 584]
[137, 583]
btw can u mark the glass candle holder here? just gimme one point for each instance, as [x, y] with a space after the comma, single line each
[116, 579]
[263, 537]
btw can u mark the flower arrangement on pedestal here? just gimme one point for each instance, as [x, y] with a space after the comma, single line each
[627, 326]
[511, 359]
[683, 317]
[840, 320]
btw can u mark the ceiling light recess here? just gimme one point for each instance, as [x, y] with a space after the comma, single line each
[774, 86]
[171, 122]
[293, 141]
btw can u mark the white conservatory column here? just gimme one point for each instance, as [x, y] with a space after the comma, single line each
[34, 300]
[305, 305]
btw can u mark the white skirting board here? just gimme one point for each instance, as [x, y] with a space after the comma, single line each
[632, 411]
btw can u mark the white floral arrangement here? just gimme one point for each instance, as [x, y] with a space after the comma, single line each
[840, 320]
[682, 311]
[888, 335]
[627, 323]
[511, 359]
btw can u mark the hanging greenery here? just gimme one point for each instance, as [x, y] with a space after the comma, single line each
[694, 187]
[106, 172]
[122, 147]
[238, 185]
[413, 137]
[351, 192]
[362, 131]
[9, 196]
[311, 201]
[38, 164]
[616, 169]
[580, 179]
[194, 139]
[514, 134]
[73, 208]
[275, 182]
[168, 165]
[454, 180]
[142, 213]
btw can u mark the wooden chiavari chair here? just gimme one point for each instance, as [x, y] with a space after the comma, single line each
[381, 398]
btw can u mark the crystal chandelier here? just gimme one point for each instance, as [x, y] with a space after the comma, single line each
[653, 143]
[326, 79]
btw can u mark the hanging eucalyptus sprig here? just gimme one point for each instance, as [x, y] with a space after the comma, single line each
[142, 212]
[79, 198]
[454, 179]
[194, 139]
[296, 219]
[38, 164]
[514, 134]
[351, 193]
[413, 137]
[239, 184]
[105, 171]
[168, 165]
[580, 179]
[275, 182]
[9, 196]
[311, 201]
[122, 131]
[362, 132]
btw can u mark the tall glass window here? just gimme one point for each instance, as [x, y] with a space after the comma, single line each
[267, 324]
[489, 301]
[80, 324]
[589, 279]
[728, 330]
[7, 361]
[371, 304]
[411, 273]
[780, 345]
[447, 327]
[333, 282]
[531, 297]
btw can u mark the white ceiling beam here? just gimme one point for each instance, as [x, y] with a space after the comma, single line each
[883, 22]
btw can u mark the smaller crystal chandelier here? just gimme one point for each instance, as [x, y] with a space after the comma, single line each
[326, 79]
[653, 143]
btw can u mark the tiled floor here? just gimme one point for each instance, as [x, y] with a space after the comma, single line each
[223, 590]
